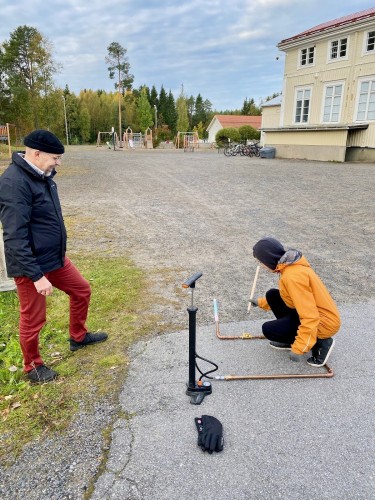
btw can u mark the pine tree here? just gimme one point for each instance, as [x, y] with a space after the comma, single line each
[163, 106]
[144, 111]
[171, 114]
[26, 70]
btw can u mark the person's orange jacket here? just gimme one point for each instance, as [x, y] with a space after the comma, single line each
[303, 290]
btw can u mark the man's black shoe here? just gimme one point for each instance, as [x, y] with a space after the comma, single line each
[91, 338]
[320, 352]
[41, 374]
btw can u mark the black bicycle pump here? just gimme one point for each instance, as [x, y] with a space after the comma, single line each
[196, 390]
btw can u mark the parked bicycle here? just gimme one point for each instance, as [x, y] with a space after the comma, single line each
[254, 149]
[235, 149]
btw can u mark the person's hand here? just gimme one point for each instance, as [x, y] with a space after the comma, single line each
[254, 302]
[295, 357]
[43, 286]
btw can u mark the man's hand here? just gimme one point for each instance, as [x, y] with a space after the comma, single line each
[43, 286]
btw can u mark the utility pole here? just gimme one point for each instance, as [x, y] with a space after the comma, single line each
[66, 123]
[156, 118]
[119, 106]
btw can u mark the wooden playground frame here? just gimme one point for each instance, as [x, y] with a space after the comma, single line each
[134, 140]
[190, 140]
[5, 134]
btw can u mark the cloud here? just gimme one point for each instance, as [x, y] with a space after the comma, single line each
[225, 51]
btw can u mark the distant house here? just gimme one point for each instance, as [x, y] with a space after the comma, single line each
[222, 121]
[327, 110]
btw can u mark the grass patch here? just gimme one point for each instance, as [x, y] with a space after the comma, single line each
[28, 411]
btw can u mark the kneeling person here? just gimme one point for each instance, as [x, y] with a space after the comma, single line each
[306, 315]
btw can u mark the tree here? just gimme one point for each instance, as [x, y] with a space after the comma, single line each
[163, 106]
[227, 134]
[27, 62]
[200, 115]
[182, 112]
[171, 113]
[119, 67]
[154, 97]
[249, 108]
[248, 132]
[190, 105]
[144, 111]
[200, 130]
[4, 92]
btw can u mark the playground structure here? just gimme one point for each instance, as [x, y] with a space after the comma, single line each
[188, 140]
[5, 136]
[109, 139]
[137, 140]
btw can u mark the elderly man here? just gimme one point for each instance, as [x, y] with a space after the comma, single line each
[35, 245]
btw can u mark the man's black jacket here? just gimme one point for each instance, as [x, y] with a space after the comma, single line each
[33, 226]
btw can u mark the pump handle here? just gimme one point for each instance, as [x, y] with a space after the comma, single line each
[190, 282]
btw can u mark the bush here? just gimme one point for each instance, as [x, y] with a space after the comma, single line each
[222, 137]
[249, 132]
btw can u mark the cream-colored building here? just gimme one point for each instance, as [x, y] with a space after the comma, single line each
[327, 109]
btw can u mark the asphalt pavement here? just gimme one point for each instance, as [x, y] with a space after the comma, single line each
[289, 439]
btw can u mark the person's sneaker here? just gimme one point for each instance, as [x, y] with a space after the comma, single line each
[91, 338]
[280, 345]
[41, 374]
[321, 352]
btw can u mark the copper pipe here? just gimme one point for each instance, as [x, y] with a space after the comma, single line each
[329, 374]
[244, 336]
[250, 336]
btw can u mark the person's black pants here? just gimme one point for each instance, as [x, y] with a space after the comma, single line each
[284, 327]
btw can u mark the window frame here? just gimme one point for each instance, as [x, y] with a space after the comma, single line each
[371, 80]
[326, 86]
[366, 42]
[330, 59]
[304, 89]
[307, 65]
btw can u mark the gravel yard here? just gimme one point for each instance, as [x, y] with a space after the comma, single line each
[177, 213]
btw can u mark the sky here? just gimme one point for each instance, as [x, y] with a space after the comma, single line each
[226, 51]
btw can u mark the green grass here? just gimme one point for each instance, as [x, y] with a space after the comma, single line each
[119, 293]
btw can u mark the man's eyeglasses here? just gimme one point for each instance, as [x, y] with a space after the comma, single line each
[56, 158]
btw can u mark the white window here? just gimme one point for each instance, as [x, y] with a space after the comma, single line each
[307, 56]
[370, 42]
[338, 49]
[332, 102]
[366, 100]
[303, 97]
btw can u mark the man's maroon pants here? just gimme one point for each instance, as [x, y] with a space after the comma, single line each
[33, 309]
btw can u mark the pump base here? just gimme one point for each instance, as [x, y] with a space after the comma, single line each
[198, 392]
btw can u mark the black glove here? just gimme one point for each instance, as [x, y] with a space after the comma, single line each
[210, 433]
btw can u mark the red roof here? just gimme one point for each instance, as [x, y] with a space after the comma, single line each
[237, 121]
[341, 21]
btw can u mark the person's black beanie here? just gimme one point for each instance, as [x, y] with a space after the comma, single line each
[268, 251]
[45, 141]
